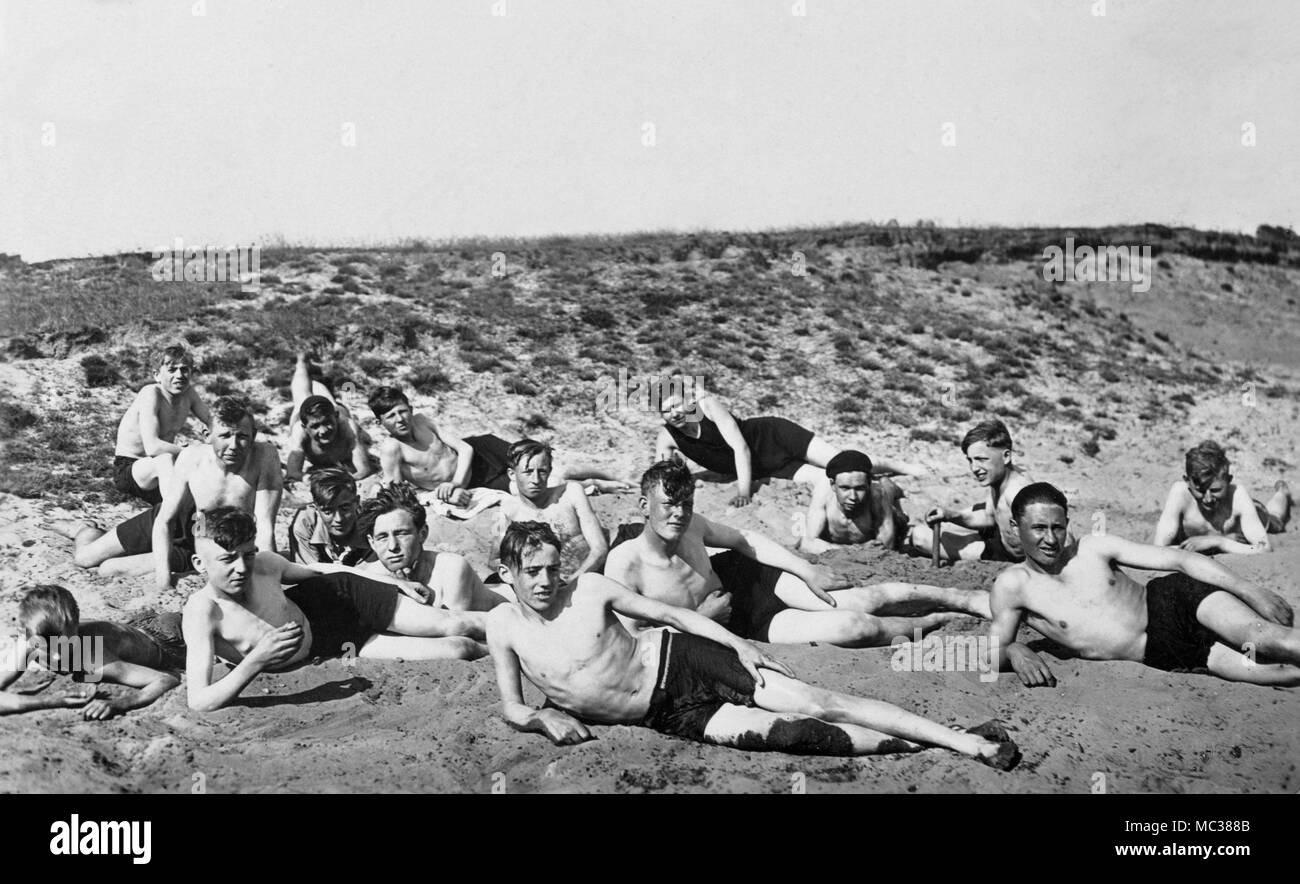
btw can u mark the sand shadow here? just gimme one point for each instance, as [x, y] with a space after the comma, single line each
[333, 690]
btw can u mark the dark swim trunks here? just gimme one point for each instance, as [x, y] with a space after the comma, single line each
[1176, 640]
[697, 677]
[994, 549]
[488, 469]
[164, 631]
[777, 447]
[753, 593]
[343, 608]
[125, 482]
[136, 537]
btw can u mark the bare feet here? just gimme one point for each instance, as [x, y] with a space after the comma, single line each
[72, 528]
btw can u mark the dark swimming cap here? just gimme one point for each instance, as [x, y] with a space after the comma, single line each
[848, 462]
[313, 402]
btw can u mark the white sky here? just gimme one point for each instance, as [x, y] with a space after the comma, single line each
[228, 127]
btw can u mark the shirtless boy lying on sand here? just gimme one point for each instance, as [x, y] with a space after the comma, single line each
[243, 615]
[701, 683]
[1207, 513]
[762, 591]
[144, 654]
[1200, 617]
[440, 462]
[565, 508]
[396, 526]
[323, 433]
[232, 470]
[146, 435]
[989, 536]
[853, 508]
[702, 429]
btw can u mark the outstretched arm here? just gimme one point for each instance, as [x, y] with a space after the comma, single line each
[152, 684]
[13, 702]
[592, 532]
[1267, 604]
[730, 430]
[1248, 523]
[1007, 613]
[769, 552]
[665, 448]
[559, 726]
[623, 601]
[814, 524]
[267, 501]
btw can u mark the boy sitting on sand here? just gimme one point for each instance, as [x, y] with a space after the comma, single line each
[243, 615]
[397, 528]
[232, 470]
[440, 462]
[144, 653]
[1202, 617]
[323, 433]
[702, 429]
[146, 435]
[990, 537]
[762, 591]
[852, 508]
[564, 507]
[1207, 513]
[701, 683]
[328, 531]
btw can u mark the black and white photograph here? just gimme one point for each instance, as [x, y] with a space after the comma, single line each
[796, 397]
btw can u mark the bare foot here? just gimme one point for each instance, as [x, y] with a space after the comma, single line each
[71, 528]
[1000, 752]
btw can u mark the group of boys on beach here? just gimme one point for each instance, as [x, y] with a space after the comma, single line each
[576, 611]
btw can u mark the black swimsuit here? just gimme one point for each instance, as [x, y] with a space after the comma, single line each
[777, 447]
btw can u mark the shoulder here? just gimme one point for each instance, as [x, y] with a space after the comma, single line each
[269, 563]
[1178, 490]
[1007, 585]
[500, 624]
[591, 585]
[149, 393]
[199, 610]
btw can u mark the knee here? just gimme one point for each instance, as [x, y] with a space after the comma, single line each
[84, 558]
[861, 628]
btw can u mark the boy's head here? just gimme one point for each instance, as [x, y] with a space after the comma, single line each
[224, 548]
[1207, 473]
[1040, 514]
[668, 498]
[48, 610]
[48, 614]
[175, 365]
[232, 431]
[393, 410]
[319, 418]
[987, 447]
[530, 465]
[850, 475]
[396, 526]
[530, 563]
[334, 492]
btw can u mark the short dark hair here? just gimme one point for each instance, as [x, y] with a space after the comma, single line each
[385, 399]
[175, 353]
[673, 476]
[398, 496]
[328, 484]
[226, 526]
[1205, 461]
[522, 537]
[1038, 492]
[231, 410]
[525, 450]
[316, 406]
[991, 432]
[48, 609]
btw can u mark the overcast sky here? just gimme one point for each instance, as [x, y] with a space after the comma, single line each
[128, 124]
